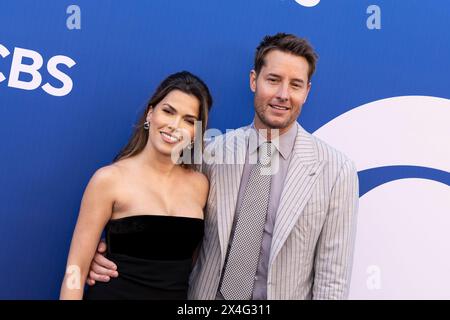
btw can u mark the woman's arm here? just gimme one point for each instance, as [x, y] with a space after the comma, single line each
[95, 212]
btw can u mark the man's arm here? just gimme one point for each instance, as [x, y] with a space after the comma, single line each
[334, 252]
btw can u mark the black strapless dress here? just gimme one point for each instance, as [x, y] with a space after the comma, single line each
[153, 255]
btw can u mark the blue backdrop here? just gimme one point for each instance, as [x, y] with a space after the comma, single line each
[52, 145]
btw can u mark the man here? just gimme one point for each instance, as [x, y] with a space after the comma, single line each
[289, 236]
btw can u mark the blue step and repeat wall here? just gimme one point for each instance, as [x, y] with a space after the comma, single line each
[74, 76]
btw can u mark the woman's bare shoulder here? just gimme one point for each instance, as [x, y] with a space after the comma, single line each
[198, 184]
[107, 176]
[198, 179]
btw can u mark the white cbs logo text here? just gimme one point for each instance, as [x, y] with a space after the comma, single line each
[32, 70]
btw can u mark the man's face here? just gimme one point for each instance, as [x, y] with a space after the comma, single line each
[281, 89]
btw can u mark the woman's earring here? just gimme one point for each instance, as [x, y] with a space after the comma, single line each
[191, 145]
[146, 125]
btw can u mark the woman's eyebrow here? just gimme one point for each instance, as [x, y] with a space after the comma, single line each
[168, 105]
[175, 110]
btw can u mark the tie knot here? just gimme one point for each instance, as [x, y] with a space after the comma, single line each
[265, 153]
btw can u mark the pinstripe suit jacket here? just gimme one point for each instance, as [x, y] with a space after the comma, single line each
[313, 237]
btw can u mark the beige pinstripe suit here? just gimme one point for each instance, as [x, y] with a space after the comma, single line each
[313, 237]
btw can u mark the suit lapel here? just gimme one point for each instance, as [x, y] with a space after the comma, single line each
[229, 178]
[303, 171]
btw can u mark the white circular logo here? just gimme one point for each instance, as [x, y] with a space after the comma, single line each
[397, 131]
[308, 3]
[402, 230]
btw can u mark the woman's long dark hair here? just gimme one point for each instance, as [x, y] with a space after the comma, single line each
[183, 81]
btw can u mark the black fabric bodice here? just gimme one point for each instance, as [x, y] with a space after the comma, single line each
[153, 254]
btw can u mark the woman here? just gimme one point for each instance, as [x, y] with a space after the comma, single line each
[149, 202]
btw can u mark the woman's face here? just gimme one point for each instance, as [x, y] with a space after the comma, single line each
[172, 122]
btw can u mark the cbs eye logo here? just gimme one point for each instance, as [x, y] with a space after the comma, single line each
[31, 70]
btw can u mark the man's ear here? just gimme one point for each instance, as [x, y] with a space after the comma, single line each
[253, 77]
[308, 88]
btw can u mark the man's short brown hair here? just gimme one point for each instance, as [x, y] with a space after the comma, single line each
[286, 43]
